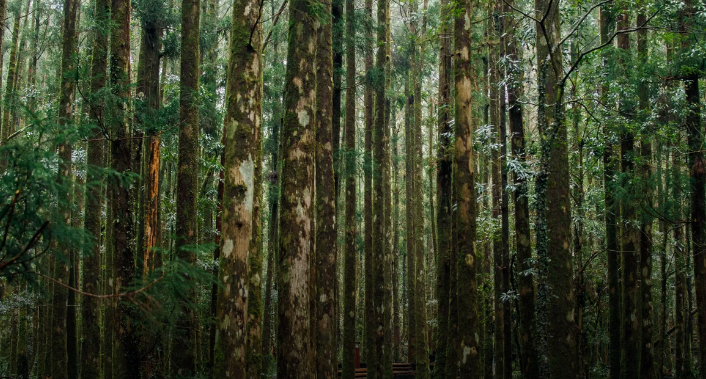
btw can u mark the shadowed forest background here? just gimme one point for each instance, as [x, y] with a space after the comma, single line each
[314, 189]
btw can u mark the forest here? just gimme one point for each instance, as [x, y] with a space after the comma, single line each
[320, 189]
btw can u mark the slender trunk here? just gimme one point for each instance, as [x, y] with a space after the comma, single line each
[125, 349]
[697, 174]
[183, 350]
[646, 220]
[90, 329]
[443, 191]
[369, 317]
[527, 318]
[349, 273]
[294, 355]
[611, 212]
[8, 127]
[409, 227]
[464, 187]
[62, 270]
[496, 194]
[422, 340]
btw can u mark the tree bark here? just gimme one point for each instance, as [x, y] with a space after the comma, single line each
[242, 149]
[326, 233]
[62, 270]
[369, 311]
[523, 239]
[294, 355]
[444, 167]
[125, 350]
[349, 273]
[464, 175]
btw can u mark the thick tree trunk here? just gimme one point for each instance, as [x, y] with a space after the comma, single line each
[294, 353]
[349, 273]
[326, 233]
[559, 300]
[242, 149]
[465, 214]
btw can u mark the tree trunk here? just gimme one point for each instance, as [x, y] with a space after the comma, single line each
[294, 355]
[646, 220]
[59, 338]
[697, 174]
[349, 273]
[242, 130]
[409, 227]
[611, 211]
[90, 329]
[8, 127]
[125, 349]
[464, 175]
[183, 350]
[559, 300]
[326, 234]
[527, 318]
[443, 191]
[369, 306]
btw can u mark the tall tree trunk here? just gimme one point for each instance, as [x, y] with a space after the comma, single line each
[630, 332]
[242, 148]
[125, 349]
[349, 273]
[90, 329]
[183, 350]
[697, 174]
[8, 127]
[444, 167]
[422, 340]
[294, 355]
[148, 87]
[559, 300]
[494, 78]
[376, 368]
[646, 220]
[611, 212]
[326, 234]
[409, 226]
[62, 270]
[369, 311]
[527, 318]
[464, 187]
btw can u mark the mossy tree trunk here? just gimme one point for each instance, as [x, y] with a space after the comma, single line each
[560, 324]
[464, 187]
[326, 233]
[241, 157]
[294, 355]
[369, 311]
[410, 221]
